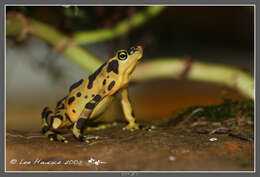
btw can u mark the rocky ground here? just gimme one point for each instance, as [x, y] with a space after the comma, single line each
[170, 148]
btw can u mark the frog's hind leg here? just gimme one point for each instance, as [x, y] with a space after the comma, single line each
[79, 126]
[48, 118]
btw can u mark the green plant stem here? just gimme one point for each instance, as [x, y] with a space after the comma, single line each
[59, 41]
[72, 50]
[174, 68]
[87, 37]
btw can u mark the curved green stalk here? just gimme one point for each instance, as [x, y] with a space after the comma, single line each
[87, 37]
[15, 27]
[178, 68]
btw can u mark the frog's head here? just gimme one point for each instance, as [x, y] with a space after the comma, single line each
[127, 59]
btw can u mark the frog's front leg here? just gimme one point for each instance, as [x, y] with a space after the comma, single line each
[128, 111]
[78, 126]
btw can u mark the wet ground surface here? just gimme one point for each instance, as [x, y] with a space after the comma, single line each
[189, 145]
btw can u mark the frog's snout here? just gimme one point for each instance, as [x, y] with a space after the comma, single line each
[140, 51]
[139, 48]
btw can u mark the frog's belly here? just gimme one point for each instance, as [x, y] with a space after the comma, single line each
[101, 107]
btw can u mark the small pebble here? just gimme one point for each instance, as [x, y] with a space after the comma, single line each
[185, 151]
[97, 163]
[171, 158]
[91, 160]
[213, 139]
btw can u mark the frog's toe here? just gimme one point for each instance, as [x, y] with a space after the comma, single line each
[83, 139]
[57, 137]
[62, 139]
[131, 127]
[53, 137]
[65, 141]
[86, 140]
[90, 137]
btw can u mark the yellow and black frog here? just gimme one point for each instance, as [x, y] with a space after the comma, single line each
[89, 97]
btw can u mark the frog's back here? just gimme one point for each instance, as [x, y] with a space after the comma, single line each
[83, 91]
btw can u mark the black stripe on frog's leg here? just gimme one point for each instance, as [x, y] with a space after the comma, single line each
[93, 76]
[75, 85]
[62, 107]
[44, 112]
[133, 114]
[104, 82]
[97, 98]
[113, 66]
[68, 117]
[45, 129]
[81, 123]
[60, 102]
[71, 100]
[111, 85]
[90, 105]
[47, 114]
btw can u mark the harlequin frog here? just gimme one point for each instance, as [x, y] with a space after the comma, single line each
[88, 97]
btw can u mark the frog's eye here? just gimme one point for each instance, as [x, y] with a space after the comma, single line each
[122, 55]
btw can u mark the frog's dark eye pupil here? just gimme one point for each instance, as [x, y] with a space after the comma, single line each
[122, 55]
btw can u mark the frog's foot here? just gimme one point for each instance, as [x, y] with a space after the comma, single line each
[90, 137]
[87, 138]
[132, 127]
[53, 136]
[57, 137]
